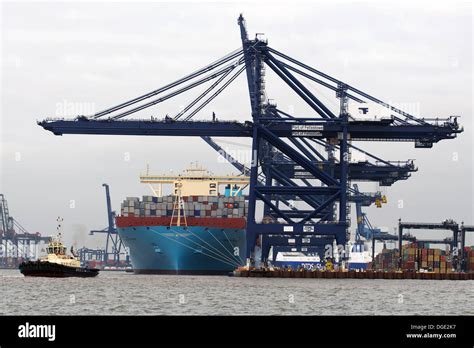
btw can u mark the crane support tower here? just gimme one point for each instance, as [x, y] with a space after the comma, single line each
[114, 247]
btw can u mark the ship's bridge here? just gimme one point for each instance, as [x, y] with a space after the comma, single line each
[196, 181]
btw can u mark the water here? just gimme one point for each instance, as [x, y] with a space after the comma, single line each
[120, 293]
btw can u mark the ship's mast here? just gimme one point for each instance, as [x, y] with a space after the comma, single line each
[178, 205]
[59, 228]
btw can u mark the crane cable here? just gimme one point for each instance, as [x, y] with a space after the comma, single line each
[198, 72]
[215, 94]
[195, 101]
[348, 87]
[175, 93]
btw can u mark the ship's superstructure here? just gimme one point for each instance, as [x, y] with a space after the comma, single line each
[195, 181]
[57, 253]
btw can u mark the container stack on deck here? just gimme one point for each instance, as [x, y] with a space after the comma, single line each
[194, 206]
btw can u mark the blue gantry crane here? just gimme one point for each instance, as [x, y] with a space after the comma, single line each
[364, 172]
[462, 233]
[305, 157]
[364, 227]
[16, 243]
[114, 247]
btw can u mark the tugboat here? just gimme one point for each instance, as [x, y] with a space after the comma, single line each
[57, 263]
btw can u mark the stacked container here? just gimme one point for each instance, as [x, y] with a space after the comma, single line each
[435, 260]
[194, 206]
[414, 259]
[469, 253]
[387, 260]
[409, 259]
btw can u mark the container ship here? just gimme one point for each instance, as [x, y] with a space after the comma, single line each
[196, 229]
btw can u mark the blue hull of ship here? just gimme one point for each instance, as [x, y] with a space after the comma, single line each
[184, 250]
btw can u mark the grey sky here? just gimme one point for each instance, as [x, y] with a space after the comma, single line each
[95, 55]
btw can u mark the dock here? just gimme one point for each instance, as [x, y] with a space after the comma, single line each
[257, 273]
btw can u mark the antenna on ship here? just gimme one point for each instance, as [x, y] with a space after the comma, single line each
[59, 227]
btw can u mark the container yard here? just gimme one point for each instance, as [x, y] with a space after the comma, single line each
[416, 263]
[414, 258]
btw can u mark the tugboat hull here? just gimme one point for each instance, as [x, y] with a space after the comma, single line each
[55, 270]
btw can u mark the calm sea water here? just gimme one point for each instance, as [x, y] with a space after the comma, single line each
[120, 293]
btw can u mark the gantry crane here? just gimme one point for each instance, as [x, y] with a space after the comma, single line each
[364, 227]
[446, 225]
[113, 246]
[283, 145]
[462, 231]
[16, 243]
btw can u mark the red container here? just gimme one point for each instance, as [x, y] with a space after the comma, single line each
[409, 265]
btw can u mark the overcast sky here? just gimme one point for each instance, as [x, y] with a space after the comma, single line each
[79, 58]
